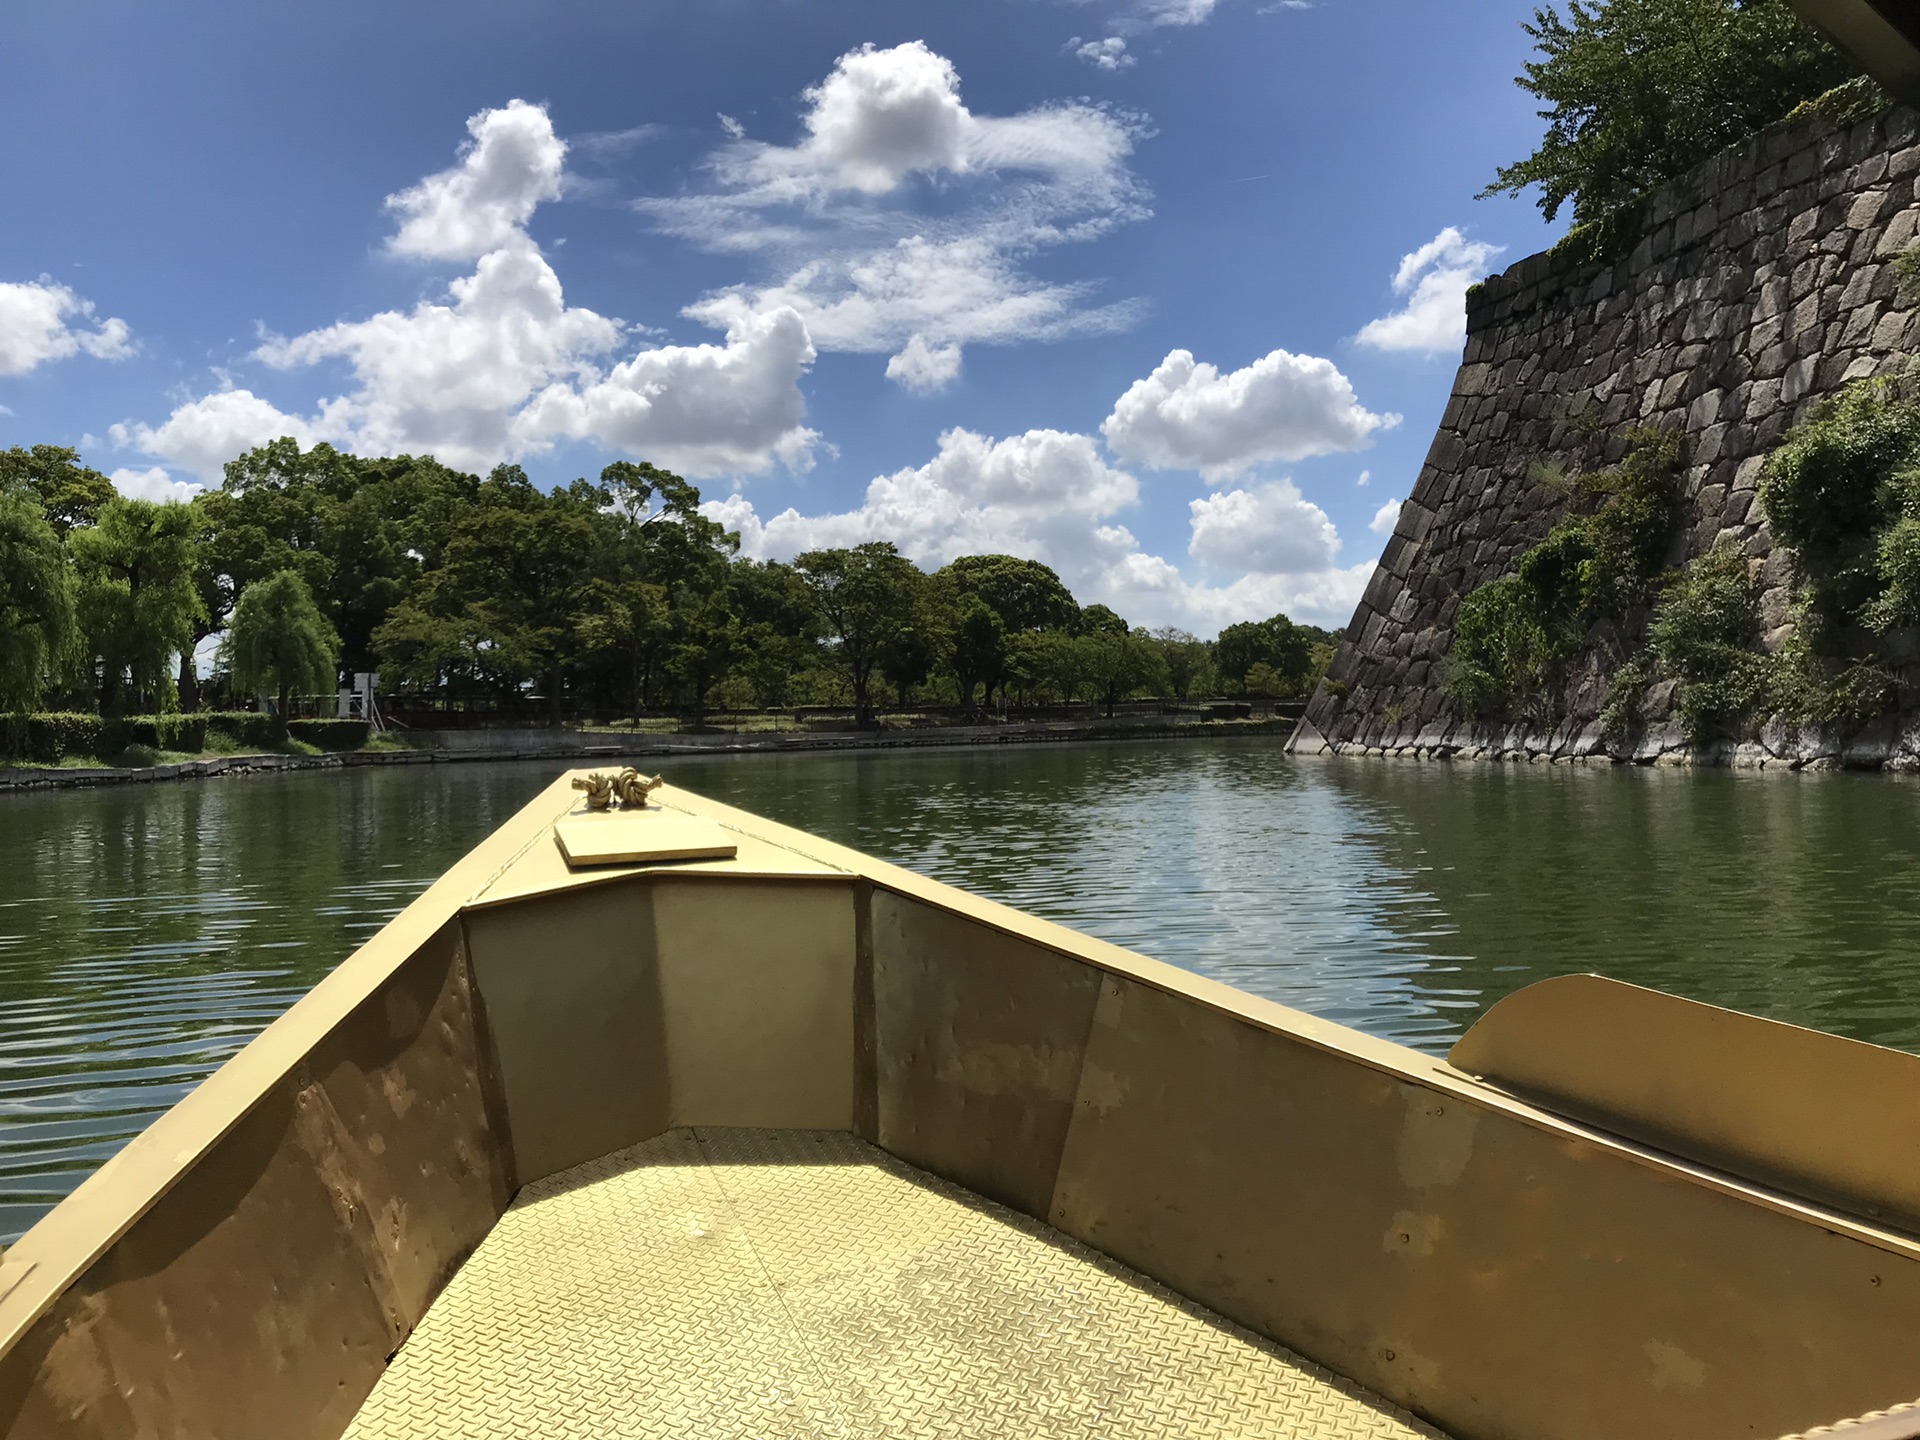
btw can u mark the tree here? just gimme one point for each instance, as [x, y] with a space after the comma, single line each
[1286, 648]
[1119, 663]
[1099, 620]
[1188, 659]
[69, 493]
[1642, 90]
[37, 618]
[278, 640]
[779, 627]
[1025, 594]
[139, 605]
[867, 596]
[628, 623]
[976, 647]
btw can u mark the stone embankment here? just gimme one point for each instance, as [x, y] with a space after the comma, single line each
[588, 747]
[1760, 284]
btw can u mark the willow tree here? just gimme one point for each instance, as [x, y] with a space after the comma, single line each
[139, 602]
[37, 622]
[279, 642]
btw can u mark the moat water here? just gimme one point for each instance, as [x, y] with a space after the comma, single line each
[147, 932]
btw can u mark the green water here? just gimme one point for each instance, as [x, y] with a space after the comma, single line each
[146, 932]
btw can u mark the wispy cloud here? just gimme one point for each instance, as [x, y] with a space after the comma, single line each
[901, 221]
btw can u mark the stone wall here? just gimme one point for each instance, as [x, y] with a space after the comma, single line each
[1760, 284]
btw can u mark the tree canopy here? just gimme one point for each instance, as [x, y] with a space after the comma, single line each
[1638, 91]
[138, 601]
[279, 641]
[38, 623]
[604, 598]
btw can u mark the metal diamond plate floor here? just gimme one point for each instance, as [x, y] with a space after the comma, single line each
[760, 1284]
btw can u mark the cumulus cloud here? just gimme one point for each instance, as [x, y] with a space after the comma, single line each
[1434, 281]
[41, 320]
[511, 164]
[1186, 415]
[900, 222]
[924, 368]
[153, 483]
[1385, 518]
[500, 366]
[202, 435]
[1051, 495]
[1109, 54]
[1268, 530]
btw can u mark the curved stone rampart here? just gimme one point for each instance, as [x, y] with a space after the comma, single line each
[1762, 282]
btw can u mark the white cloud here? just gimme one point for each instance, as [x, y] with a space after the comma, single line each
[700, 409]
[501, 366]
[1268, 530]
[1363, 477]
[41, 320]
[1434, 280]
[924, 368]
[734, 129]
[901, 216]
[1049, 495]
[1173, 12]
[1109, 54]
[202, 435]
[1385, 518]
[511, 164]
[153, 483]
[1188, 416]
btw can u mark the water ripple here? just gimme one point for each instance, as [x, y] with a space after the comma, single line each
[150, 932]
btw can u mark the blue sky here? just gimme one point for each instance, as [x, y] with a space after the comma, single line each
[1142, 288]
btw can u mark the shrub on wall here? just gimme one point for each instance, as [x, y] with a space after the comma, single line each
[1703, 634]
[1835, 492]
[1514, 636]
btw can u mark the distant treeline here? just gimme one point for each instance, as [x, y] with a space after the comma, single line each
[596, 600]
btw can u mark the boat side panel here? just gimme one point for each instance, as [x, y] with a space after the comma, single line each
[1500, 1278]
[572, 997]
[979, 1037]
[264, 1291]
[756, 985]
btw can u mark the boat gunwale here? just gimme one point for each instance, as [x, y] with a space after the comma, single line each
[64, 1244]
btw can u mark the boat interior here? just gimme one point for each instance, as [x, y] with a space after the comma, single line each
[783, 1140]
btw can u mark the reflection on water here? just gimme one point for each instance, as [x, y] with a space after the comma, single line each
[147, 932]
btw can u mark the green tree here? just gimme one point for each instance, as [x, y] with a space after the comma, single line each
[779, 628]
[1284, 647]
[38, 627]
[71, 494]
[976, 647]
[1122, 663]
[499, 612]
[1025, 594]
[866, 596]
[1189, 659]
[139, 603]
[1099, 620]
[1639, 91]
[279, 641]
[627, 624]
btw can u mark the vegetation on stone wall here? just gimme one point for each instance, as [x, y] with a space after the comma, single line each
[1842, 495]
[1515, 636]
[1639, 91]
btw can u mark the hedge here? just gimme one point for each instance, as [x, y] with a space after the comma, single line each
[51, 738]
